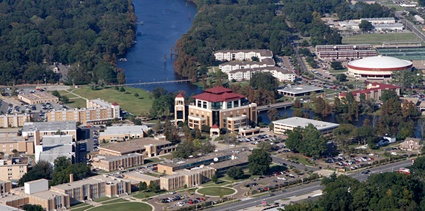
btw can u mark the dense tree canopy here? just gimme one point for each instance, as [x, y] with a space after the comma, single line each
[308, 141]
[235, 172]
[259, 162]
[41, 170]
[84, 34]
[63, 168]
[385, 191]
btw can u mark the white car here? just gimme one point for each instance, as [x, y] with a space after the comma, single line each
[281, 178]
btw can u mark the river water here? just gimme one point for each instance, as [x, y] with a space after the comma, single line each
[164, 22]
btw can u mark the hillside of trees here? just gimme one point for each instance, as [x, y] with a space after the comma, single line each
[88, 35]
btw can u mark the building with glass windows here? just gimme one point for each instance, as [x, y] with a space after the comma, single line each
[216, 106]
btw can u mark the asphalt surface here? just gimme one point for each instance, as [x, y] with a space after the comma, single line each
[289, 163]
[306, 188]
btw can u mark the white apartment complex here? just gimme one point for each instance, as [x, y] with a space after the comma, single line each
[246, 74]
[242, 55]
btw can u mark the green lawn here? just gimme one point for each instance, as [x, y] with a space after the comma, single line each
[143, 195]
[379, 38]
[152, 160]
[337, 71]
[101, 199]
[76, 103]
[216, 191]
[114, 201]
[128, 102]
[82, 208]
[124, 207]
[78, 205]
[167, 156]
[219, 183]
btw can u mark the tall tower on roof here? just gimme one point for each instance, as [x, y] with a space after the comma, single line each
[180, 109]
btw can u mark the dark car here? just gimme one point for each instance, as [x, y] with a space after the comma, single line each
[272, 194]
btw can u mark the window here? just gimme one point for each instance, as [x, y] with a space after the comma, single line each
[205, 104]
[199, 103]
[229, 104]
[216, 105]
[236, 103]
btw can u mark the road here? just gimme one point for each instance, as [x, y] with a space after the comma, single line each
[298, 166]
[411, 26]
[305, 189]
[301, 62]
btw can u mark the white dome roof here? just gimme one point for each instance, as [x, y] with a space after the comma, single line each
[380, 62]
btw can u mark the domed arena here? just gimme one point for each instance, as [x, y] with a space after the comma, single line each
[377, 67]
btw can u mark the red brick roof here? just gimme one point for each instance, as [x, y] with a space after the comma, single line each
[218, 90]
[209, 97]
[214, 126]
[115, 104]
[365, 91]
[180, 95]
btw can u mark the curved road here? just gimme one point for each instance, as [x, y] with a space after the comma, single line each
[306, 188]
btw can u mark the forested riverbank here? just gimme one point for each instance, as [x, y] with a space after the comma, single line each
[87, 35]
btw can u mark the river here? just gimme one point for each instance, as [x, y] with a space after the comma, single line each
[164, 22]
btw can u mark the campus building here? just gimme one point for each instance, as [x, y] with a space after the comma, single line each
[97, 112]
[38, 98]
[14, 120]
[122, 133]
[344, 51]
[35, 192]
[191, 178]
[148, 147]
[298, 91]
[212, 160]
[242, 55]
[52, 147]
[280, 74]
[112, 163]
[93, 188]
[217, 106]
[284, 125]
[38, 130]
[373, 91]
[13, 168]
[10, 140]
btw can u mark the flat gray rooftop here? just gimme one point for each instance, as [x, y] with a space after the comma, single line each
[49, 141]
[121, 130]
[300, 89]
[303, 122]
[49, 126]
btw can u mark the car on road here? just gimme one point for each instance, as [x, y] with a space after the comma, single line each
[272, 194]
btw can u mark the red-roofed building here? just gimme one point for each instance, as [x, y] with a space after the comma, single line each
[374, 90]
[217, 106]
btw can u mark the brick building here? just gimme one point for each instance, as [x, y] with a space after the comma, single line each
[112, 163]
[217, 106]
[411, 144]
[13, 168]
[373, 91]
[148, 147]
[38, 98]
[14, 120]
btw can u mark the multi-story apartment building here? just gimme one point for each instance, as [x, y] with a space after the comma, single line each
[246, 74]
[13, 168]
[112, 163]
[97, 112]
[241, 55]
[14, 120]
[229, 66]
[217, 106]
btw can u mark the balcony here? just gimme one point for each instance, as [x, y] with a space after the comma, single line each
[192, 117]
[236, 118]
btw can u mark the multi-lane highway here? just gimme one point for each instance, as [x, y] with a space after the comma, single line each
[306, 188]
